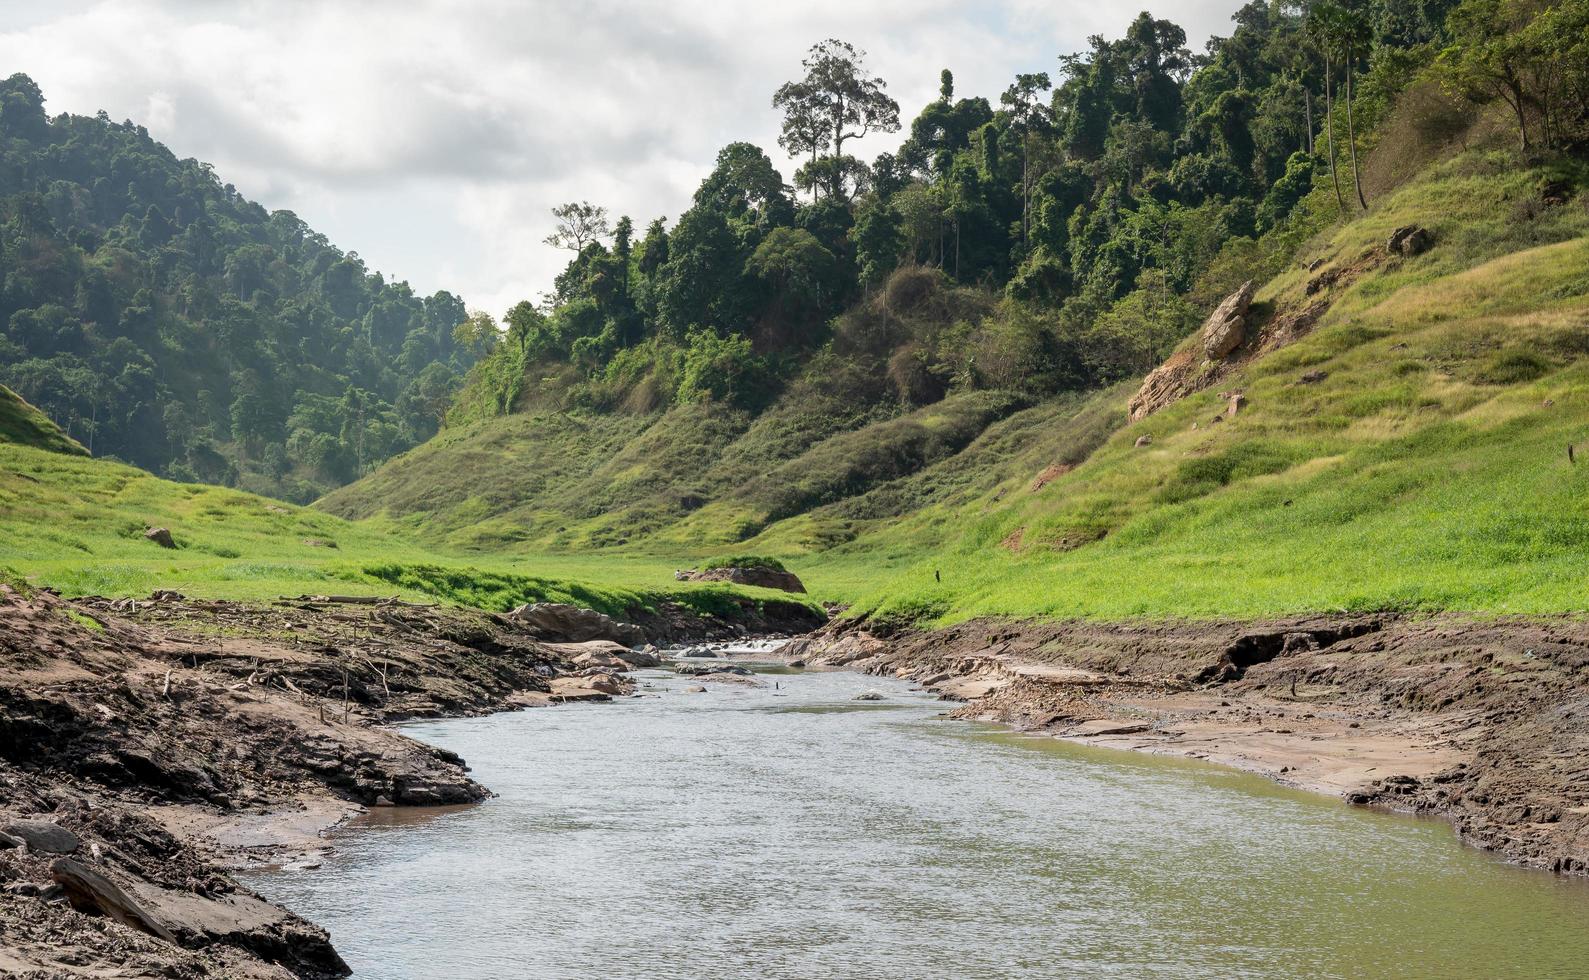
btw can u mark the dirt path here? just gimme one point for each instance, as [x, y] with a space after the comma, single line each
[1483, 723]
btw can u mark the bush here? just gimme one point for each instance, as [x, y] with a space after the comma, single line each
[723, 369]
[746, 561]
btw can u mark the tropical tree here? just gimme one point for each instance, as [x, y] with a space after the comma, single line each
[836, 101]
[1029, 116]
[1320, 26]
[578, 224]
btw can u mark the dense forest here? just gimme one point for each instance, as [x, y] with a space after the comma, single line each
[161, 318]
[1064, 235]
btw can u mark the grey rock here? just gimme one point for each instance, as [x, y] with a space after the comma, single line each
[1410, 240]
[1226, 328]
[564, 623]
[46, 836]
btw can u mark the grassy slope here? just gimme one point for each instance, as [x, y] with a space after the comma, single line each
[23, 425]
[689, 481]
[1427, 470]
[76, 524]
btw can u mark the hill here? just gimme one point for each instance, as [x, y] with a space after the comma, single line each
[1408, 449]
[1411, 450]
[163, 319]
[23, 425]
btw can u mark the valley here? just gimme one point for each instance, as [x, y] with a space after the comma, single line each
[812, 558]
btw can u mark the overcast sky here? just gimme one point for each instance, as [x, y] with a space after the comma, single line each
[432, 136]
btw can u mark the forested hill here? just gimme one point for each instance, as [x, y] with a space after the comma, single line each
[780, 349]
[160, 317]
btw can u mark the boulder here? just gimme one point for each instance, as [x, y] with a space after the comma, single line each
[45, 836]
[605, 683]
[1410, 240]
[767, 578]
[1226, 327]
[197, 921]
[646, 656]
[160, 536]
[867, 696]
[564, 623]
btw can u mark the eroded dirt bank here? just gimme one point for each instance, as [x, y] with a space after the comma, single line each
[148, 746]
[1483, 723]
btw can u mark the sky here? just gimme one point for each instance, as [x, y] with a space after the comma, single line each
[434, 136]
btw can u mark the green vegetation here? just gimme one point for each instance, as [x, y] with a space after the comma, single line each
[23, 425]
[745, 561]
[1424, 467]
[77, 525]
[162, 319]
[912, 388]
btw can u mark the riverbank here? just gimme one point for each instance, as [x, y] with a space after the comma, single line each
[147, 747]
[1484, 724]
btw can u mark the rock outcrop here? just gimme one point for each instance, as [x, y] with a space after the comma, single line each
[1410, 240]
[563, 623]
[1226, 327]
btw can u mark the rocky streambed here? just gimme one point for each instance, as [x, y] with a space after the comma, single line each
[148, 747]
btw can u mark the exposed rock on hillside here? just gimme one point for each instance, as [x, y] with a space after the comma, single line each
[1410, 240]
[1226, 327]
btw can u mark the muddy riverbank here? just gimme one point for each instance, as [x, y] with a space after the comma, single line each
[149, 747]
[1485, 724]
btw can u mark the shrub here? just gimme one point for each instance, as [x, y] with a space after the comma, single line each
[722, 369]
[746, 561]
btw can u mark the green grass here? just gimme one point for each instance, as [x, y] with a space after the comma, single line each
[77, 525]
[23, 425]
[745, 561]
[1426, 470]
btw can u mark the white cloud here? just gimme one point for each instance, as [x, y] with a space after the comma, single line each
[433, 137]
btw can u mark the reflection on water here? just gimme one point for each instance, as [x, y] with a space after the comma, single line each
[724, 834]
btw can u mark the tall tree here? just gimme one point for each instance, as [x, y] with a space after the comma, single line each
[1352, 39]
[578, 224]
[1321, 33]
[839, 93]
[1029, 116]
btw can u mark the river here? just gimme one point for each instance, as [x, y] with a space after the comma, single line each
[793, 832]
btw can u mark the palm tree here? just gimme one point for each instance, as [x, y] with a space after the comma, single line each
[1351, 29]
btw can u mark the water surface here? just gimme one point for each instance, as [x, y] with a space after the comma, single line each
[798, 833]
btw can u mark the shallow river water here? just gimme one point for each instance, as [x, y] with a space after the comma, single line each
[754, 832]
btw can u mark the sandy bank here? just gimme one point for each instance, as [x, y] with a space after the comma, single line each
[1483, 723]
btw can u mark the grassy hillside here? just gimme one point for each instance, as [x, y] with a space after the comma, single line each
[1427, 468]
[23, 425]
[77, 525]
